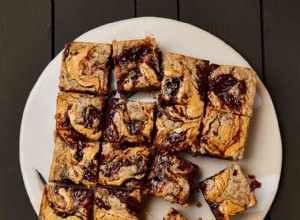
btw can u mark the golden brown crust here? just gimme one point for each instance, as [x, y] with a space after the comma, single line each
[173, 214]
[228, 193]
[59, 203]
[224, 135]
[129, 122]
[232, 89]
[184, 80]
[79, 115]
[75, 163]
[85, 67]
[178, 128]
[136, 64]
[120, 163]
[171, 178]
[116, 204]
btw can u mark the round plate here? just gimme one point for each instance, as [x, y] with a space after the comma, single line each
[263, 153]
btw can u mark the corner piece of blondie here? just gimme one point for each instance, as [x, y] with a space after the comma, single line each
[228, 193]
[85, 68]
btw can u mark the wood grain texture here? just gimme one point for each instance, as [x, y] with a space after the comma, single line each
[158, 8]
[282, 67]
[25, 45]
[75, 17]
[238, 23]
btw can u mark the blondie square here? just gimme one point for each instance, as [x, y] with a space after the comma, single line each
[120, 163]
[173, 214]
[85, 68]
[224, 135]
[178, 128]
[231, 89]
[137, 65]
[65, 203]
[111, 204]
[184, 80]
[171, 178]
[228, 193]
[79, 116]
[75, 163]
[129, 122]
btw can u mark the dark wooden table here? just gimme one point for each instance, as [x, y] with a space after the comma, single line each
[265, 32]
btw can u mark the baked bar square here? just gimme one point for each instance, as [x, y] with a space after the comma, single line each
[111, 204]
[173, 214]
[129, 122]
[75, 163]
[120, 163]
[178, 128]
[79, 116]
[65, 203]
[171, 178]
[224, 135]
[184, 80]
[85, 68]
[228, 193]
[137, 64]
[232, 89]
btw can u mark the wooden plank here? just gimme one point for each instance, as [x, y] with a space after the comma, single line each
[74, 17]
[282, 72]
[238, 23]
[25, 44]
[158, 8]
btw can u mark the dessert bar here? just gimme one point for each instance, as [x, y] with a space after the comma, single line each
[120, 163]
[85, 68]
[75, 163]
[129, 122]
[228, 193]
[184, 80]
[79, 116]
[173, 214]
[111, 204]
[171, 178]
[65, 203]
[137, 65]
[231, 89]
[178, 128]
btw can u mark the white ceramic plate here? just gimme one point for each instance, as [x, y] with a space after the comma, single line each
[263, 154]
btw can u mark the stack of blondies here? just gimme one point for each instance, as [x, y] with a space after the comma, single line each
[110, 151]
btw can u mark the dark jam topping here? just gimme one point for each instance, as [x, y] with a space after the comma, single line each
[172, 86]
[174, 139]
[115, 166]
[133, 206]
[59, 213]
[215, 210]
[135, 126]
[221, 84]
[134, 74]
[137, 160]
[202, 72]
[133, 54]
[90, 115]
[81, 198]
[213, 67]
[161, 170]
[73, 136]
[242, 87]
[66, 52]
[99, 202]
[254, 183]
[89, 175]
